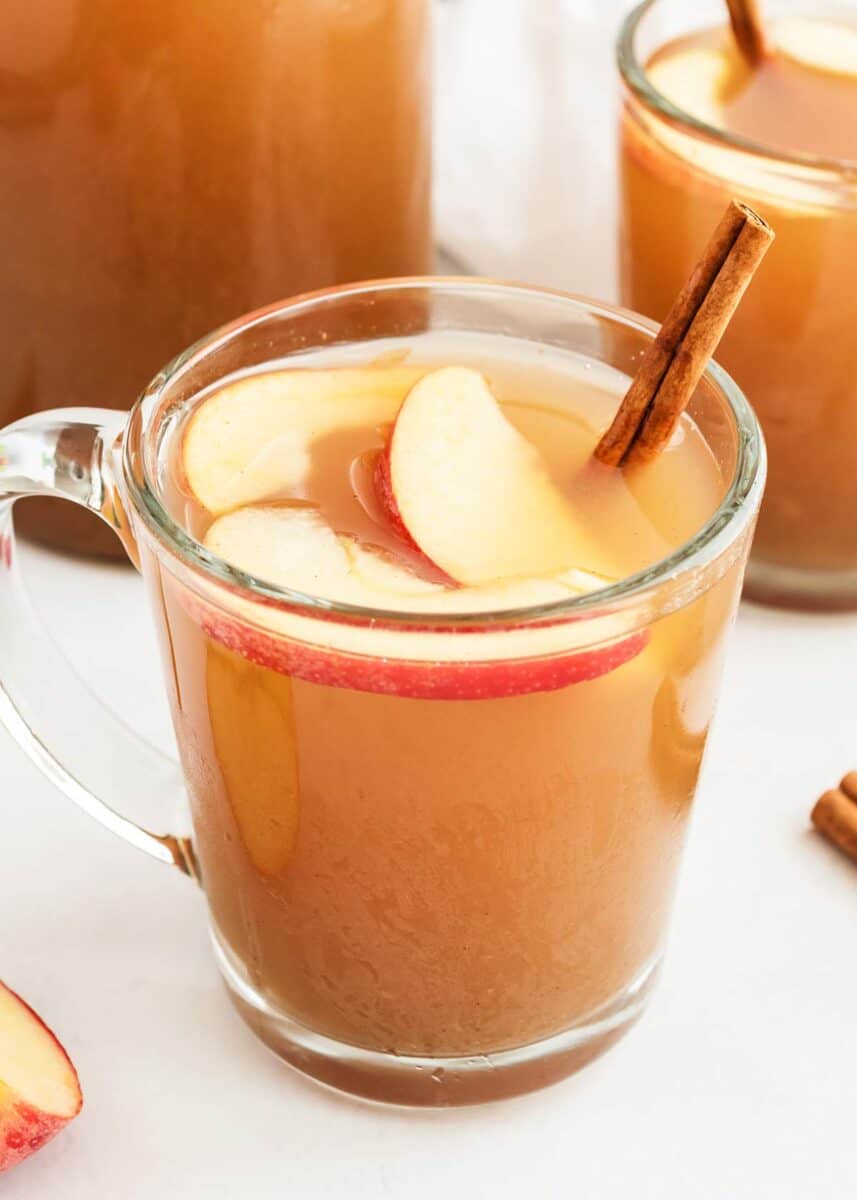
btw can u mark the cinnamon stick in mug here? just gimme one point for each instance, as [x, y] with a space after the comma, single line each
[676, 359]
[748, 29]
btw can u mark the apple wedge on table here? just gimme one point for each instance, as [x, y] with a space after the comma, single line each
[39, 1088]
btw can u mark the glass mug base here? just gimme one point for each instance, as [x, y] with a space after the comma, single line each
[434, 1082]
[800, 587]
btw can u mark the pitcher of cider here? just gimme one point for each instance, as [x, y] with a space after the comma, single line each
[166, 166]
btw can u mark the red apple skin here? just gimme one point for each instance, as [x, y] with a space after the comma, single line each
[383, 484]
[384, 490]
[24, 1129]
[413, 679]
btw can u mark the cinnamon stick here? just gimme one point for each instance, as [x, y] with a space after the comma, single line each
[835, 815]
[675, 360]
[748, 29]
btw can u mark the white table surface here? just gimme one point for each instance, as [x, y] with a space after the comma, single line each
[740, 1082]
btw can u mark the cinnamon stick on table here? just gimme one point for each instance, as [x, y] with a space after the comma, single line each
[835, 815]
[675, 360]
[748, 29]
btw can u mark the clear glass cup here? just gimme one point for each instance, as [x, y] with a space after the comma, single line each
[791, 345]
[417, 895]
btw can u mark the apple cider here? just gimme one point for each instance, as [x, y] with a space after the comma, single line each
[415, 841]
[170, 164]
[699, 126]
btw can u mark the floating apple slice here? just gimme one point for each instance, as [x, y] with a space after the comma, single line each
[697, 79]
[474, 494]
[375, 570]
[292, 546]
[251, 440]
[384, 492]
[465, 678]
[39, 1088]
[289, 545]
[821, 45]
[295, 548]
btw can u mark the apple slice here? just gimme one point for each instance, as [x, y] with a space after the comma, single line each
[286, 544]
[821, 45]
[391, 582]
[376, 570]
[384, 492]
[699, 79]
[474, 494]
[294, 547]
[260, 775]
[39, 1088]
[252, 439]
[423, 678]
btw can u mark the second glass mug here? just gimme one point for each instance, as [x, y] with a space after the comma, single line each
[415, 899]
[791, 345]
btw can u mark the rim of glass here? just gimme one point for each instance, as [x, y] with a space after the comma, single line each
[722, 528]
[634, 74]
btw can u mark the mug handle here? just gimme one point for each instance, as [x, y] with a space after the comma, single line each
[84, 749]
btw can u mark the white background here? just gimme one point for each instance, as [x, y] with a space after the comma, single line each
[741, 1081]
[526, 94]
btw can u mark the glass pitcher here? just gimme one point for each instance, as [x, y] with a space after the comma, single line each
[165, 166]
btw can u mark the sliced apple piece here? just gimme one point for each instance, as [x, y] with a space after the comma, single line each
[294, 547]
[39, 1089]
[377, 570]
[698, 79]
[821, 45]
[469, 677]
[252, 439]
[260, 776]
[289, 545]
[473, 493]
[514, 594]
[384, 492]
[394, 585]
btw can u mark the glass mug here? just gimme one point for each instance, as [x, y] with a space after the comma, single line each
[791, 346]
[415, 899]
[167, 165]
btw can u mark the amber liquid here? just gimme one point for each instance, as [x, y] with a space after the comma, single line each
[167, 166]
[455, 876]
[791, 345]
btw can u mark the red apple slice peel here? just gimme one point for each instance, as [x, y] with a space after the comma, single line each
[39, 1089]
